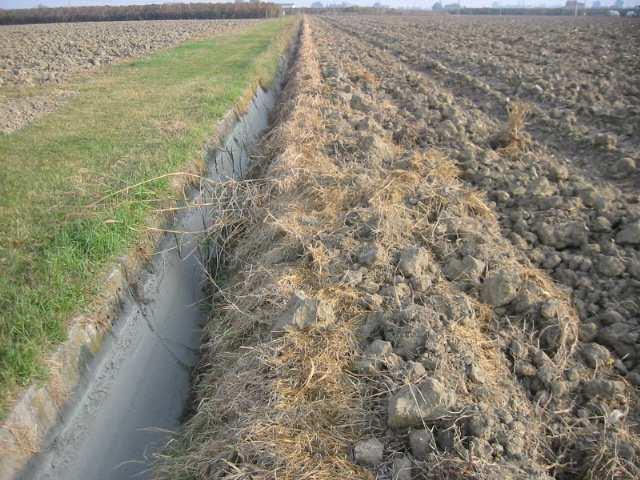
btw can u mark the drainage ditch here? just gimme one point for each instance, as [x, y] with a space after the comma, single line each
[136, 389]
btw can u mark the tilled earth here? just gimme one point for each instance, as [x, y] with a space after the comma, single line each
[35, 56]
[580, 76]
[561, 202]
[49, 53]
[409, 296]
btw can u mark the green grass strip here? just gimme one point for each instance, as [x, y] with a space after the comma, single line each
[136, 121]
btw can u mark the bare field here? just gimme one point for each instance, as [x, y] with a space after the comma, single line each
[37, 61]
[434, 269]
[50, 53]
[580, 76]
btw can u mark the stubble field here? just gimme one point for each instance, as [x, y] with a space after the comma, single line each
[434, 269]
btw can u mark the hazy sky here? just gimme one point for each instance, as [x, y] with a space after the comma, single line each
[393, 3]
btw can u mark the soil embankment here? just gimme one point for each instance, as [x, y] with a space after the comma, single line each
[376, 317]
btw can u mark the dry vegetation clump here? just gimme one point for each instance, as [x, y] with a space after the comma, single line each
[512, 138]
[376, 323]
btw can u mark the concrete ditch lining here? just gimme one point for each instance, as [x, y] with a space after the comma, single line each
[121, 380]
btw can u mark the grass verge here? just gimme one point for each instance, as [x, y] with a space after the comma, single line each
[137, 121]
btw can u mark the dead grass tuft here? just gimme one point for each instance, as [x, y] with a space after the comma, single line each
[512, 138]
[600, 452]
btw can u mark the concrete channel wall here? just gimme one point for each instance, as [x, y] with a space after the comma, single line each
[117, 391]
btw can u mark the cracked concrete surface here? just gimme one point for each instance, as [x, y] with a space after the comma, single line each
[136, 389]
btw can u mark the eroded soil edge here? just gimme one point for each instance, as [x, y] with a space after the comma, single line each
[374, 321]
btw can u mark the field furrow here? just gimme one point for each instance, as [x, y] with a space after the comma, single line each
[540, 197]
[589, 114]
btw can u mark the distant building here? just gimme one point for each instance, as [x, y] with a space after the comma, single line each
[596, 4]
[316, 5]
[452, 6]
[436, 7]
[573, 4]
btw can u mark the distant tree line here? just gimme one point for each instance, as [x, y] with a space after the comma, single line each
[169, 11]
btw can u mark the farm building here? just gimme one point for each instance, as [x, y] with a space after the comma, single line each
[573, 4]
